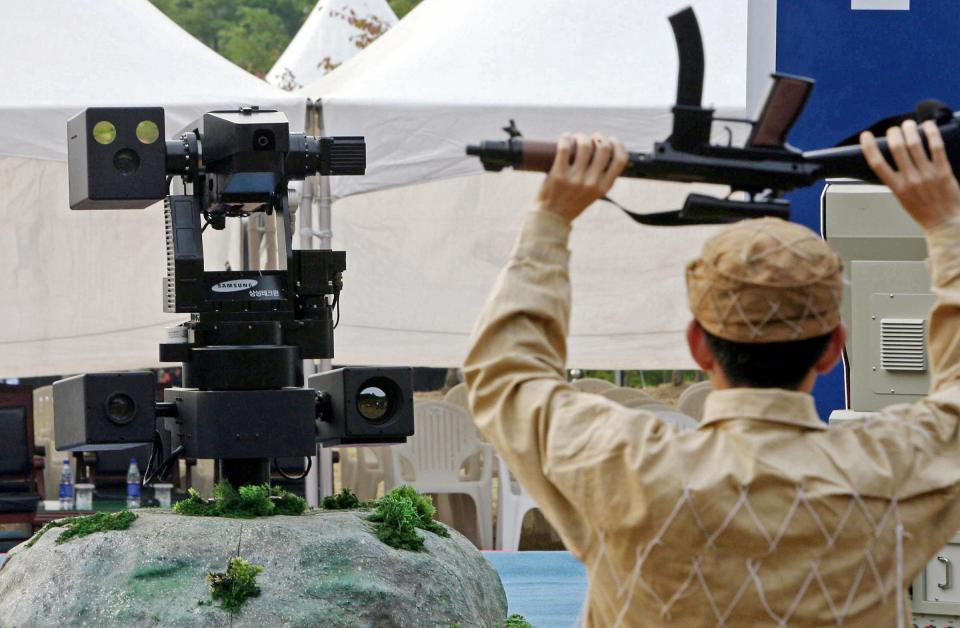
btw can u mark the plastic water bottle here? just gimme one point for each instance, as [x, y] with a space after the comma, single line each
[66, 487]
[133, 485]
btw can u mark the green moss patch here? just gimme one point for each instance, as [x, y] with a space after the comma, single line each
[517, 621]
[344, 500]
[77, 527]
[255, 500]
[236, 585]
[400, 513]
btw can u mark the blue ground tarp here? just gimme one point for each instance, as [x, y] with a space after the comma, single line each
[547, 588]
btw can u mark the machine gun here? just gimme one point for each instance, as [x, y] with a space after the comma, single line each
[242, 402]
[764, 168]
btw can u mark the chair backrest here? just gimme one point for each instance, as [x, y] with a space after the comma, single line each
[443, 439]
[16, 453]
[592, 385]
[17, 472]
[457, 395]
[622, 394]
[692, 398]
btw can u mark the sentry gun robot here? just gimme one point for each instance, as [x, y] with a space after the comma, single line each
[242, 402]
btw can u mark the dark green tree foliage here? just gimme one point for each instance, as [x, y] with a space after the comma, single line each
[236, 585]
[246, 503]
[77, 527]
[251, 33]
[398, 515]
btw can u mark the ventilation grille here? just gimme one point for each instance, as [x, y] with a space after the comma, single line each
[169, 282]
[902, 344]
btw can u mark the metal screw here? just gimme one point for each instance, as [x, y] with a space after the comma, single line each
[874, 368]
[892, 391]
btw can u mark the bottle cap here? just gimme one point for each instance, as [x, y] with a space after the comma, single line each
[133, 461]
[66, 461]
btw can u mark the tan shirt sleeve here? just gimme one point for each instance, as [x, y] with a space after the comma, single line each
[576, 453]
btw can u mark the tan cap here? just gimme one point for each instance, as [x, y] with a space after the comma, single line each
[766, 280]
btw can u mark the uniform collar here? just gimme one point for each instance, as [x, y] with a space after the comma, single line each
[772, 405]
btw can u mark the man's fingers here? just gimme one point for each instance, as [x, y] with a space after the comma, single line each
[911, 137]
[584, 148]
[901, 157]
[938, 151]
[561, 163]
[875, 159]
[617, 163]
[602, 152]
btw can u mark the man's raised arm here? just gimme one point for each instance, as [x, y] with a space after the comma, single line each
[515, 367]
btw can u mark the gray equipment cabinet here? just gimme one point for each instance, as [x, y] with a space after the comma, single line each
[886, 306]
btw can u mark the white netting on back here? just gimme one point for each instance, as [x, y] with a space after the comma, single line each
[833, 549]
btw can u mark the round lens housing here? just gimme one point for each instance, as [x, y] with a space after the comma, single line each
[126, 161]
[148, 132]
[104, 132]
[378, 399]
[121, 408]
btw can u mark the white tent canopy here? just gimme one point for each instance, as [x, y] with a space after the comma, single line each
[422, 258]
[82, 290]
[335, 31]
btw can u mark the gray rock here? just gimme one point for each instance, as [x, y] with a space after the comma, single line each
[324, 568]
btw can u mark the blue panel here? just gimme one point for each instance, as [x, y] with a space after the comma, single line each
[868, 65]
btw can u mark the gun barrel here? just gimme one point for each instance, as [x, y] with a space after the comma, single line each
[848, 161]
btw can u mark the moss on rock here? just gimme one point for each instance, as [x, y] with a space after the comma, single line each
[236, 585]
[82, 526]
[255, 500]
[398, 515]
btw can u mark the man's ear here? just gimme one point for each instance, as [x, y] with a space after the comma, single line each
[699, 349]
[833, 352]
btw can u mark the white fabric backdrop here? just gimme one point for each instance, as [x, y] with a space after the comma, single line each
[423, 257]
[81, 291]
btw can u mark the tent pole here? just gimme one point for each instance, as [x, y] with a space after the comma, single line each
[320, 479]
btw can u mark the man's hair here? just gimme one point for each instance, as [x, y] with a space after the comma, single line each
[767, 365]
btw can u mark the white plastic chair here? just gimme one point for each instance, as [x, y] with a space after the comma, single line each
[513, 503]
[692, 399]
[622, 394]
[361, 470]
[457, 395]
[592, 385]
[443, 440]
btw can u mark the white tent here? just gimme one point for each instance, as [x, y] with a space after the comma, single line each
[82, 290]
[334, 31]
[422, 258]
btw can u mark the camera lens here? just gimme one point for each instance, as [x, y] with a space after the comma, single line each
[148, 132]
[126, 161]
[264, 139]
[372, 404]
[121, 408]
[104, 132]
[378, 400]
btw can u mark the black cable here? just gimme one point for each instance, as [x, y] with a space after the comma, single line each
[336, 304]
[149, 473]
[164, 468]
[276, 465]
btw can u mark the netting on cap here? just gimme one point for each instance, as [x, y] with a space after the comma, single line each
[752, 577]
[752, 305]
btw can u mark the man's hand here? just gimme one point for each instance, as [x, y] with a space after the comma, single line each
[925, 186]
[572, 185]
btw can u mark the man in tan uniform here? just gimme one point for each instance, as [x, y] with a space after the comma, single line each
[762, 516]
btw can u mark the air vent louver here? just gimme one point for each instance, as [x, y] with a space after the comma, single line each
[902, 344]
